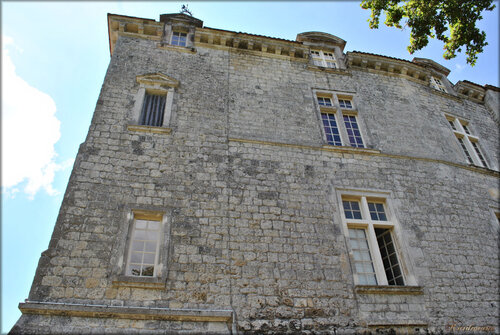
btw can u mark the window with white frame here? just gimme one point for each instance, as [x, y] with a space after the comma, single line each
[468, 142]
[339, 119]
[324, 58]
[144, 244]
[179, 38]
[370, 226]
[437, 84]
[154, 100]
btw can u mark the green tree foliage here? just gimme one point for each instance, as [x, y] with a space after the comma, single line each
[451, 21]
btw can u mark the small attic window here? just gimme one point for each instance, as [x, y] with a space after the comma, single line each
[437, 84]
[324, 59]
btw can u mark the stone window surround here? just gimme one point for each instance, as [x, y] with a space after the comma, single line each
[179, 28]
[157, 84]
[397, 237]
[467, 137]
[121, 256]
[339, 113]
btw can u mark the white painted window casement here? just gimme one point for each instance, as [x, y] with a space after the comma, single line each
[324, 59]
[437, 84]
[371, 229]
[339, 118]
[154, 100]
[144, 244]
[468, 142]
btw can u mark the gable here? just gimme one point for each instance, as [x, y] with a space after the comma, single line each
[157, 79]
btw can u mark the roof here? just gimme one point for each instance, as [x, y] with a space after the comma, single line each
[256, 35]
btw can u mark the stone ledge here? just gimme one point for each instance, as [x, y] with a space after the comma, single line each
[175, 48]
[125, 312]
[409, 324]
[389, 289]
[341, 149]
[329, 70]
[139, 282]
[149, 129]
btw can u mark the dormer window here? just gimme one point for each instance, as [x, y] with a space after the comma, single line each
[437, 84]
[324, 59]
[179, 38]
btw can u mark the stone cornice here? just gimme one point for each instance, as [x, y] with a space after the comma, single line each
[388, 66]
[259, 45]
[389, 289]
[367, 151]
[470, 91]
[125, 312]
[133, 27]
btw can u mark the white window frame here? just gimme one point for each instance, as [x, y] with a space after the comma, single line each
[437, 84]
[462, 132]
[339, 113]
[141, 215]
[324, 59]
[154, 84]
[369, 225]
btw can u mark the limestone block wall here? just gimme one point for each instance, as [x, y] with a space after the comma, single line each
[251, 195]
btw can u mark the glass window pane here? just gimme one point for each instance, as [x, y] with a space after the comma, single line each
[137, 246]
[148, 271]
[141, 224]
[149, 258]
[151, 246]
[136, 257]
[134, 270]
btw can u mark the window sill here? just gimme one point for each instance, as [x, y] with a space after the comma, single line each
[327, 69]
[347, 149]
[154, 283]
[444, 94]
[176, 48]
[389, 289]
[149, 129]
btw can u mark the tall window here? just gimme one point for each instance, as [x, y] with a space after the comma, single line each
[324, 58]
[468, 142]
[437, 84]
[339, 119]
[154, 100]
[370, 230]
[153, 109]
[179, 39]
[144, 246]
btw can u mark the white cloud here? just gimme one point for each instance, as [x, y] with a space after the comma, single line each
[29, 131]
[459, 67]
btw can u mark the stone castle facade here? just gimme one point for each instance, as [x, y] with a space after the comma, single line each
[233, 183]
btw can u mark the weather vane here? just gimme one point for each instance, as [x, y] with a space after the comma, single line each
[185, 9]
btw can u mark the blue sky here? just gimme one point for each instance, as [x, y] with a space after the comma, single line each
[54, 58]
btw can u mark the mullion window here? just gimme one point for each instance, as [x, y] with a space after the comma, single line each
[374, 256]
[478, 152]
[468, 142]
[464, 148]
[144, 248]
[389, 257]
[353, 132]
[363, 263]
[331, 129]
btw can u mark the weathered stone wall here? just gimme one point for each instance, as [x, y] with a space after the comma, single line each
[256, 227]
